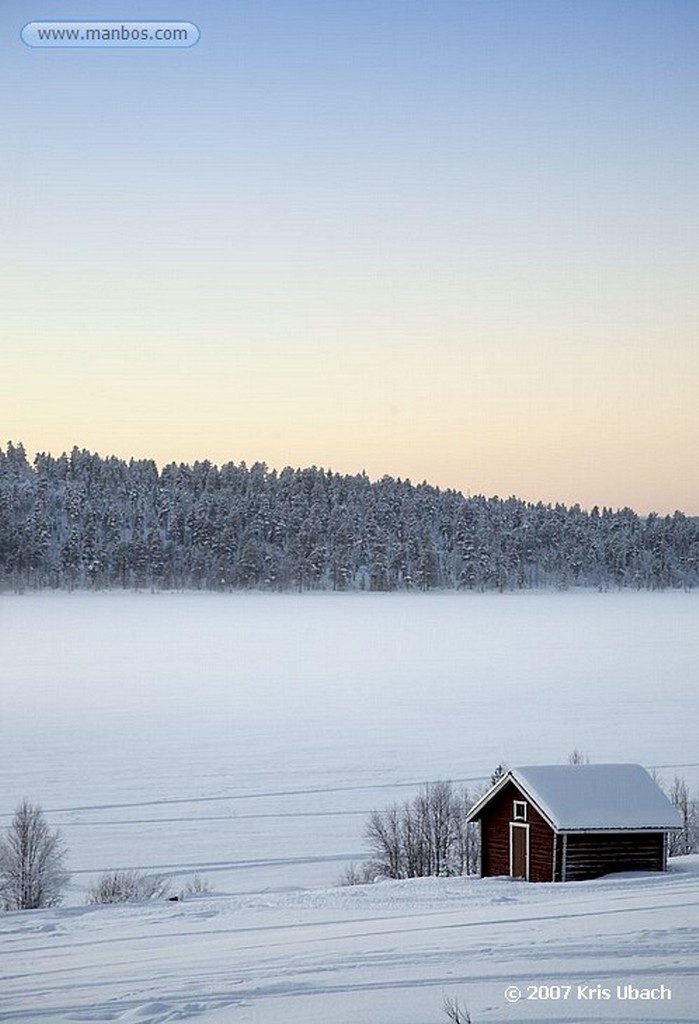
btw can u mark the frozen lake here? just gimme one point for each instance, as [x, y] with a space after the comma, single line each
[247, 736]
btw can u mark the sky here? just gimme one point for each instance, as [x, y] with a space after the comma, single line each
[450, 240]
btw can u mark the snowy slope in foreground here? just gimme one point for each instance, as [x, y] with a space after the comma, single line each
[381, 954]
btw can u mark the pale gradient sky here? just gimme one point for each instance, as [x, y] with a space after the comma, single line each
[453, 241]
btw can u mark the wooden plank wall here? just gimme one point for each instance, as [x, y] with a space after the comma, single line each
[601, 853]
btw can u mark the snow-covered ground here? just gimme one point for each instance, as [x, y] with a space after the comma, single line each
[381, 954]
[246, 737]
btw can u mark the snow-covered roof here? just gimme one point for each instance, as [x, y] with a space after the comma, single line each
[581, 797]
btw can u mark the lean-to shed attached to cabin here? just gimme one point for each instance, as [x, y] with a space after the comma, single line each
[559, 823]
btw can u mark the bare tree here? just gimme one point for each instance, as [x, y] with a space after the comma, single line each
[428, 835]
[686, 841]
[578, 757]
[32, 871]
[384, 834]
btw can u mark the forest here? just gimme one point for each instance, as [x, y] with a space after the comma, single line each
[83, 521]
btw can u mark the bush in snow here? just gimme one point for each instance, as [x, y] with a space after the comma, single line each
[196, 886]
[455, 1012]
[359, 874]
[128, 887]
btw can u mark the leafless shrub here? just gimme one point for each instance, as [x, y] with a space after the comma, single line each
[196, 886]
[455, 1012]
[128, 887]
[359, 874]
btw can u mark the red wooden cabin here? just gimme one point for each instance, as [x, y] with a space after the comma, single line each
[559, 823]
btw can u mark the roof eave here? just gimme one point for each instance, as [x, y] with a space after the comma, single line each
[619, 828]
[487, 796]
[510, 776]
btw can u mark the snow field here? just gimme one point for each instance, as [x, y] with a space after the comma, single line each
[383, 953]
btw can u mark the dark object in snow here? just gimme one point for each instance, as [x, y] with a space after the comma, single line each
[173, 899]
[561, 823]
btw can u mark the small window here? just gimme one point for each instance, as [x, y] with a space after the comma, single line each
[519, 810]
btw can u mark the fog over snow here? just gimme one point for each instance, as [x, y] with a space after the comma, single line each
[250, 735]
[247, 736]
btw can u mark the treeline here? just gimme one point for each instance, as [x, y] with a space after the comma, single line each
[83, 521]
